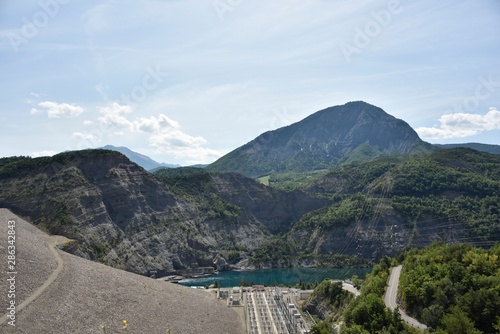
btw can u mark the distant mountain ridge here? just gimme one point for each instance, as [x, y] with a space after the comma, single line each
[488, 148]
[144, 161]
[354, 132]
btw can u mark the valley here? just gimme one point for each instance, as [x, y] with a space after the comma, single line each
[345, 188]
[351, 214]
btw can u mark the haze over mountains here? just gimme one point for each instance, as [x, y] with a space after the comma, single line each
[488, 148]
[144, 161]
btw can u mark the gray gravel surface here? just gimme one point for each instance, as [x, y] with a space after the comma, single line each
[87, 295]
[34, 260]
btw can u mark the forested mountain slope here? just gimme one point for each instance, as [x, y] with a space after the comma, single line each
[388, 205]
[354, 132]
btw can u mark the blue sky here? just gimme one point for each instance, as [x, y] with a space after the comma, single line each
[186, 81]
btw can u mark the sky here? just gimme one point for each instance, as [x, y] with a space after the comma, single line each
[187, 81]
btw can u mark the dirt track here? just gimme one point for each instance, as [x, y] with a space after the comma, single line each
[79, 296]
[52, 242]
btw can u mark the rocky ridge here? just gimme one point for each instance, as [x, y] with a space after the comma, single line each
[123, 216]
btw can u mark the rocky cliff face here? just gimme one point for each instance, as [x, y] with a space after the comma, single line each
[356, 130]
[264, 204]
[121, 215]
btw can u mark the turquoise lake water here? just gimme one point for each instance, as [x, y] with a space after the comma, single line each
[276, 276]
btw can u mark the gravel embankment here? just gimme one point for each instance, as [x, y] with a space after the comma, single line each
[86, 295]
[34, 260]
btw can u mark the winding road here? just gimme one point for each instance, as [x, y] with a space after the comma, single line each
[351, 288]
[390, 298]
[52, 242]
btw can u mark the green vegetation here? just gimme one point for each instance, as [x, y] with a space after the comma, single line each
[340, 214]
[11, 160]
[361, 154]
[295, 180]
[362, 315]
[367, 313]
[458, 185]
[464, 171]
[197, 185]
[449, 190]
[172, 173]
[455, 289]
[450, 288]
[21, 166]
[351, 179]
[279, 253]
[331, 297]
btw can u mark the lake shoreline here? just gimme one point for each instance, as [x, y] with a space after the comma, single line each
[275, 276]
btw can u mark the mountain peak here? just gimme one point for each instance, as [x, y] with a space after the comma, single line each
[142, 160]
[355, 131]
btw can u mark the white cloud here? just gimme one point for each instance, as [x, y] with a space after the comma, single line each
[167, 137]
[84, 136]
[43, 154]
[164, 134]
[173, 141]
[114, 115]
[88, 122]
[58, 110]
[458, 125]
[155, 124]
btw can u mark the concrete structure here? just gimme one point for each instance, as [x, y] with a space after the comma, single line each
[222, 294]
[268, 310]
[258, 288]
[305, 294]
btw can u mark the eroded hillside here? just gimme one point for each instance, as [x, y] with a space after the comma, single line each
[121, 215]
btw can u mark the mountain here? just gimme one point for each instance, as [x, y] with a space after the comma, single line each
[144, 161]
[391, 204]
[493, 149]
[121, 215]
[176, 219]
[354, 132]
